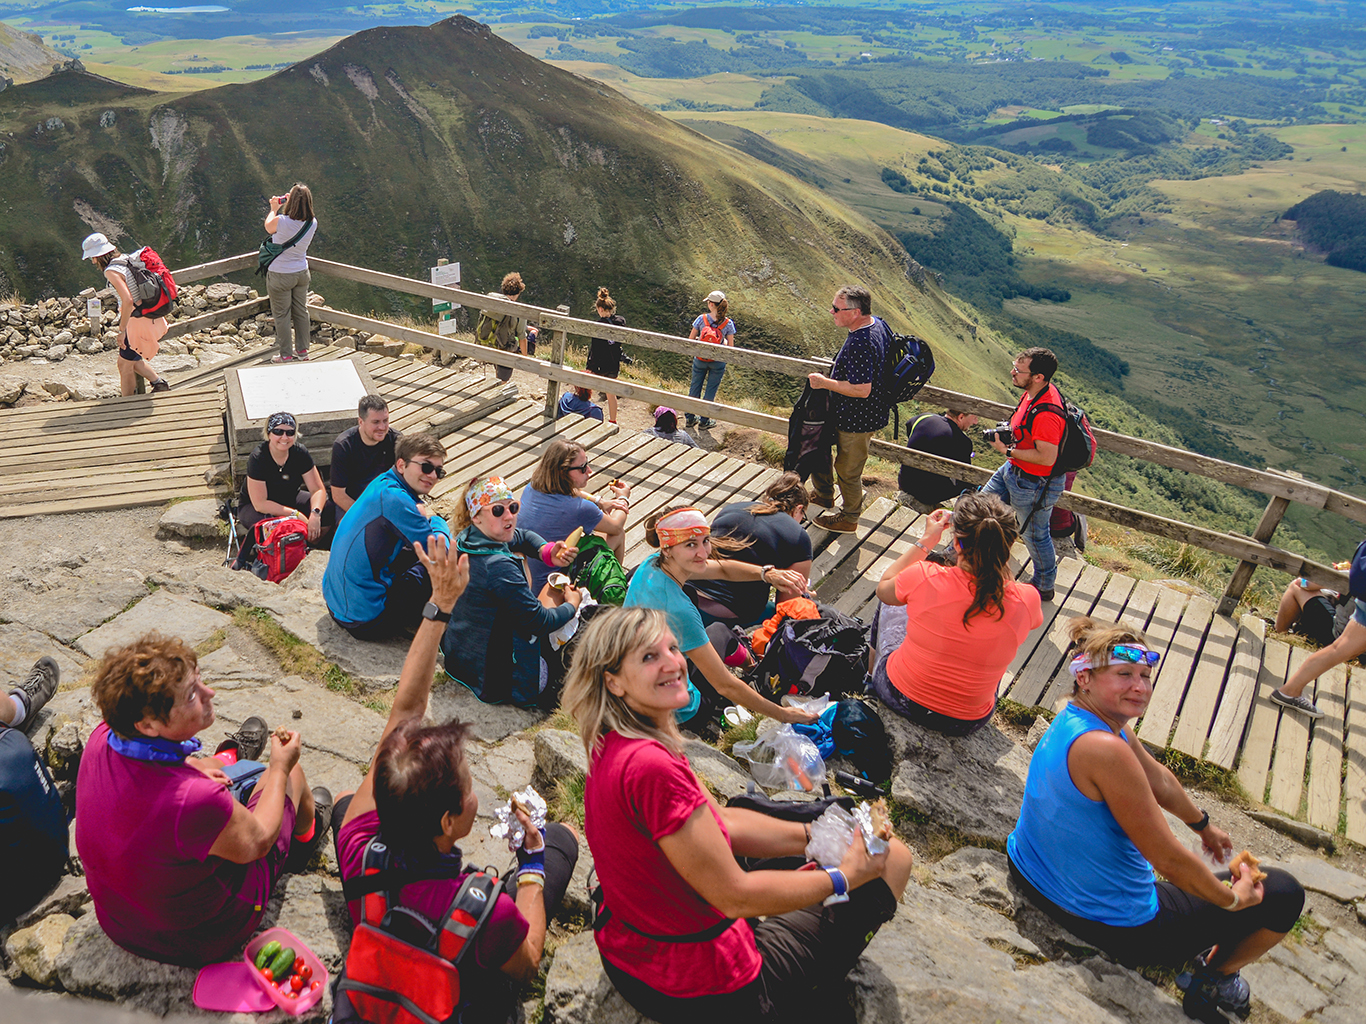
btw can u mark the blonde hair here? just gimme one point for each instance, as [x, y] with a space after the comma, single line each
[460, 514]
[1097, 640]
[601, 647]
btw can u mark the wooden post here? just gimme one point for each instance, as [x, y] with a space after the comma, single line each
[552, 387]
[1242, 576]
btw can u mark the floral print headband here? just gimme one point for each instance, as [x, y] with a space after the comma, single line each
[492, 489]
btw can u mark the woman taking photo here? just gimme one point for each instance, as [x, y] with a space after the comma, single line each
[418, 798]
[290, 223]
[714, 325]
[677, 941]
[282, 480]
[492, 641]
[138, 336]
[604, 355]
[771, 531]
[556, 502]
[945, 634]
[1091, 832]
[685, 547]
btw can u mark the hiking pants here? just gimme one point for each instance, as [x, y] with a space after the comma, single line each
[289, 306]
[851, 455]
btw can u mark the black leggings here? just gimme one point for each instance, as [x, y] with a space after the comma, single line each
[1185, 925]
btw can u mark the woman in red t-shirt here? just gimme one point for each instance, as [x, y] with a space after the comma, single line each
[674, 933]
[946, 633]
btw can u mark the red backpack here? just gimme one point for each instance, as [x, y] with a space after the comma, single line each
[403, 968]
[713, 334]
[159, 289]
[280, 546]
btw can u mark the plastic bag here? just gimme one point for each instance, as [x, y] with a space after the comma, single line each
[822, 731]
[834, 830]
[783, 759]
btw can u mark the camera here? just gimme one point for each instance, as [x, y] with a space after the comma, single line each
[1003, 432]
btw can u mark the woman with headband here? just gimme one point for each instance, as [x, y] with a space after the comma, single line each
[1091, 831]
[685, 548]
[492, 643]
[282, 480]
[946, 633]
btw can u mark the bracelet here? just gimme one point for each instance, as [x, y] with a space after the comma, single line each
[546, 556]
[530, 878]
[841, 884]
[1201, 825]
[1237, 901]
[531, 860]
[763, 573]
[921, 545]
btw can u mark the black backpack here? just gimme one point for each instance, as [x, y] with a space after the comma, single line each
[1356, 573]
[909, 366]
[1078, 447]
[825, 655]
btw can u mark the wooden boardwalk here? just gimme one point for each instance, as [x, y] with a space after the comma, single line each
[1211, 695]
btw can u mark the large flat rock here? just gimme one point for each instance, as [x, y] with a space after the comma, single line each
[21, 646]
[1317, 875]
[78, 604]
[168, 614]
[489, 722]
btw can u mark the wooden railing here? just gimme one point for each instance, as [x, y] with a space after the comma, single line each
[1250, 551]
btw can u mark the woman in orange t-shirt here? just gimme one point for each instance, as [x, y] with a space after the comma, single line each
[947, 632]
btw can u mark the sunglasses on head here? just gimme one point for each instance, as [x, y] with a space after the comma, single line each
[432, 467]
[497, 510]
[282, 432]
[1135, 655]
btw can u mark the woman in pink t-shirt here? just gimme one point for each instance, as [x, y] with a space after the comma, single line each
[673, 927]
[946, 633]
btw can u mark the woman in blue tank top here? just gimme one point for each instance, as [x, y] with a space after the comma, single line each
[1091, 831]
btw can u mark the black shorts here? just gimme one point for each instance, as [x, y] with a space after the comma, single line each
[799, 950]
[127, 353]
[1185, 925]
[1316, 621]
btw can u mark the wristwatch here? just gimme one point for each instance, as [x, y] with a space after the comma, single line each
[434, 614]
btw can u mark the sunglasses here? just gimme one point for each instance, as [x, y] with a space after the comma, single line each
[840, 309]
[1135, 655]
[497, 510]
[432, 467]
[579, 468]
[282, 432]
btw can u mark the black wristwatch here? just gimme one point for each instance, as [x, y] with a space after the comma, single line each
[1201, 825]
[431, 612]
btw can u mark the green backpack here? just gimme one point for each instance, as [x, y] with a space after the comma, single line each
[597, 570]
[486, 330]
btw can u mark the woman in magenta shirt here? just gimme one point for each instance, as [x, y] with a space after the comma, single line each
[946, 633]
[675, 933]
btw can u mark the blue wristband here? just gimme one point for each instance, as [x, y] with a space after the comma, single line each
[527, 860]
[841, 884]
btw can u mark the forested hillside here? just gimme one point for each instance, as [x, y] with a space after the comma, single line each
[1334, 223]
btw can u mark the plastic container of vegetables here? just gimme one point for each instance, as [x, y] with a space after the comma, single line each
[300, 989]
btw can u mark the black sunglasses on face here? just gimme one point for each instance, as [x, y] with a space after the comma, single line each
[497, 510]
[432, 467]
[282, 432]
[840, 309]
[580, 467]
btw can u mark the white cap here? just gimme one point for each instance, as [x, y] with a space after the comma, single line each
[717, 297]
[95, 245]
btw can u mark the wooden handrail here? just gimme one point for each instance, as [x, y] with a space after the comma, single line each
[1250, 551]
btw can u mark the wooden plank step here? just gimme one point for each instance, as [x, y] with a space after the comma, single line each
[1254, 762]
[1207, 682]
[833, 548]
[883, 536]
[863, 590]
[203, 450]
[100, 408]
[1325, 751]
[1069, 570]
[1043, 678]
[1174, 672]
[1114, 598]
[1292, 749]
[190, 488]
[1354, 785]
[162, 431]
[707, 484]
[55, 486]
[1240, 691]
[84, 417]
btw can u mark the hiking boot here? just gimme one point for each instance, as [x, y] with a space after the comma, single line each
[706, 423]
[1044, 595]
[249, 739]
[689, 421]
[837, 522]
[822, 501]
[37, 689]
[159, 385]
[322, 812]
[1212, 997]
[1303, 705]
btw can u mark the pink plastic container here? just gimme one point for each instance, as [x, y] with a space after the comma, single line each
[308, 998]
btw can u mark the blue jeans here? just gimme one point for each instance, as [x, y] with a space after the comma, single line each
[709, 372]
[1020, 491]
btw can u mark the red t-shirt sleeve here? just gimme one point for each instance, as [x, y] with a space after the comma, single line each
[663, 790]
[206, 808]
[911, 579]
[1048, 427]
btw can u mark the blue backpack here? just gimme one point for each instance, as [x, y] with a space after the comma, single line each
[909, 366]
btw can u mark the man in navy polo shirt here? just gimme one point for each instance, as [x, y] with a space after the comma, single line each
[861, 410]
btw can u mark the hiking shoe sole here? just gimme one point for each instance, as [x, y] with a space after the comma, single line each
[38, 687]
[1302, 704]
[249, 739]
[160, 385]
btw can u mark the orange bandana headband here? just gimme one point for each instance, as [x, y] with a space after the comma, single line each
[681, 524]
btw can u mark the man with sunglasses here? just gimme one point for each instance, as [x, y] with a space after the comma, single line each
[374, 585]
[861, 410]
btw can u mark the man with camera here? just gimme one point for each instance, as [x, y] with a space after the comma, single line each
[1026, 482]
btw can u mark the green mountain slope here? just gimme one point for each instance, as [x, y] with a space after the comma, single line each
[446, 141]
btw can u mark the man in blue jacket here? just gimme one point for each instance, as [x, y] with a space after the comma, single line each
[374, 585]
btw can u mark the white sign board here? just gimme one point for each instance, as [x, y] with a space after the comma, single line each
[448, 277]
[92, 308]
[300, 388]
[446, 326]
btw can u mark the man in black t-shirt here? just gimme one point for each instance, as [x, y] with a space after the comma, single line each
[359, 454]
[941, 434]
